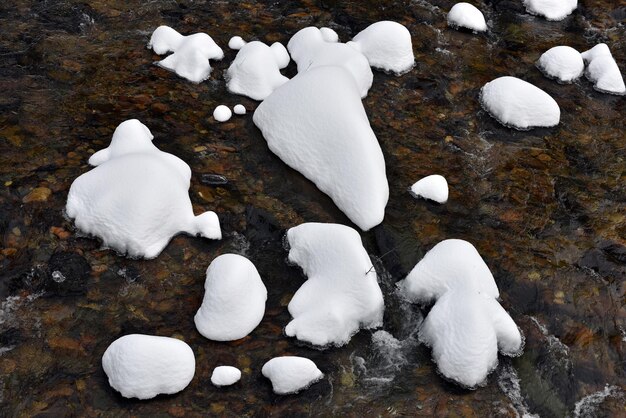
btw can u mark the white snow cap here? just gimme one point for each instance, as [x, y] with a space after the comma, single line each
[234, 299]
[386, 45]
[191, 54]
[465, 15]
[563, 63]
[136, 199]
[239, 109]
[518, 104]
[225, 375]
[433, 187]
[602, 70]
[236, 42]
[144, 366]
[446, 266]
[291, 374]
[255, 72]
[317, 125]
[341, 294]
[222, 113]
[551, 9]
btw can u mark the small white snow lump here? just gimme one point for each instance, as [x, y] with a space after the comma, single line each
[225, 375]
[234, 299]
[386, 45]
[433, 187]
[465, 15]
[518, 104]
[144, 366]
[222, 113]
[602, 70]
[563, 63]
[551, 9]
[236, 43]
[291, 374]
[239, 109]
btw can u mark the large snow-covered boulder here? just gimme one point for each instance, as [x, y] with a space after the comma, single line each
[225, 375]
[341, 294]
[562, 63]
[255, 72]
[518, 104]
[144, 366]
[234, 299]
[136, 199]
[551, 9]
[465, 15]
[433, 187]
[191, 54]
[602, 70]
[291, 374]
[317, 125]
[450, 264]
[387, 46]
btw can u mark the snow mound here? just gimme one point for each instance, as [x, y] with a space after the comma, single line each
[551, 9]
[465, 15]
[341, 294]
[234, 299]
[255, 72]
[225, 375]
[191, 54]
[518, 104]
[144, 366]
[602, 70]
[236, 43]
[317, 125]
[386, 45]
[222, 113]
[291, 374]
[563, 63]
[433, 187]
[136, 199]
[448, 265]
[239, 109]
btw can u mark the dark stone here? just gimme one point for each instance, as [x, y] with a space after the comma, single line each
[67, 274]
[213, 179]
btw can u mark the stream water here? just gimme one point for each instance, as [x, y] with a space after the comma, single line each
[545, 208]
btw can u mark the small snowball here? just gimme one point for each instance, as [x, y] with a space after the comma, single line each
[222, 113]
[290, 374]
[465, 15]
[434, 187]
[551, 9]
[563, 63]
[239, 109]
[225, 375]
[236, 42]
[602, 70]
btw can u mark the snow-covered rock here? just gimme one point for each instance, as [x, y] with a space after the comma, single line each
[450, 264]
[563, 63]
[386, 45]
[465, 15]
[341, 294]
[239, 109]
[316, 124]
[433, 187]
[255, 72]
[136, 199]
[191, 54]
[602, 70]
[236, 43]
[234, 299]
[144, 366]
[222, 113]
[518, 104]
[290, 374]
[551, 9]
[225, 375]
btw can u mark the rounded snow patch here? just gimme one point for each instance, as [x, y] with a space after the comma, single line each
[236, 43]
[551, 9]
[562, 63]
[239, 109]
[387, 46]
[225, 375]
[433, 187]
[465, 15]
[602, 70]
[222, 113]
[290, 374]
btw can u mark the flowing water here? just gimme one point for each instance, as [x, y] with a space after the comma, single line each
[545, 208]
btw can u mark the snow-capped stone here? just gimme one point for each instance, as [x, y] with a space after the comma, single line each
[386, 45]
[312, 48]
[551, 9]
[563, 63]
[234, 299]
[255, 72]
[291, 374]
[144, 366]
[433, 187]
[450, 264]
[465, 328]
[465, 15]
[222, 113]
[225, 375]
[317, 125]
[602, 70]
[136, 199]
[191, 54]
[341, 294]
[236, 43]
[239, 109]
[518, 104]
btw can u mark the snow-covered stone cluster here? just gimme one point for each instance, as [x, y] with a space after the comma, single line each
[466, 15]
[433, 187]
[562, 63]
[551, 9]
[602, 70]
[291, 374]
